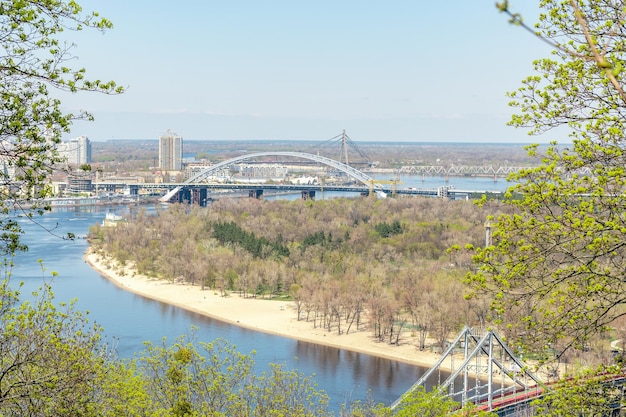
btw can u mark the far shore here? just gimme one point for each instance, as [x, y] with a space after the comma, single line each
[268, 316]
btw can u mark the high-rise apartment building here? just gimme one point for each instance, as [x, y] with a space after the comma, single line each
[76, 151]
[171, 152]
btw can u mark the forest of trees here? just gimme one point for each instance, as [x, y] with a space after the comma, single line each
[348, 264]
[392, 267]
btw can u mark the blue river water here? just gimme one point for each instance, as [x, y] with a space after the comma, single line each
[129, 320]
[467, 183]
[426, 182]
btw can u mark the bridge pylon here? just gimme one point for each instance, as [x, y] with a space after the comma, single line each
[487, 369]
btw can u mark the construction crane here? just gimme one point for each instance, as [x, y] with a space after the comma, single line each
[394, 185]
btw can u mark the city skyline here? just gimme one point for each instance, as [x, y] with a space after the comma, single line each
[405, 71]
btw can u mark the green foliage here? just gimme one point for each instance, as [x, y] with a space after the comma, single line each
[10, 231]
[50, 359]
[259, 247]
[318, 238]
[555, 269]
[365, 409]
[34, 61]
[426, 404]
[388, 230]
[191, 378]
[591, 393]
[431, 404]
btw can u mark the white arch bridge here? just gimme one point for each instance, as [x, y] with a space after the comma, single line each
[212, 170]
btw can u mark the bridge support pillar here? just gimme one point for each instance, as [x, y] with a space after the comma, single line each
[187, 195]
[199, 196]
[308, 195]
[258, 194]
[183, 196]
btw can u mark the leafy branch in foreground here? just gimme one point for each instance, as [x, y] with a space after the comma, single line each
[556, 266]
[35, 60]
[211, 378]
[50, 357]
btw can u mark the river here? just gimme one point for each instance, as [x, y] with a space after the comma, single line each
[129, 320]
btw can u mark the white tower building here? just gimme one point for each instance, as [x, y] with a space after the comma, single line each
[76, 151]
[171, 152]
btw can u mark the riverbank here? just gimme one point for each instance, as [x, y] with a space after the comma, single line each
[268, 316]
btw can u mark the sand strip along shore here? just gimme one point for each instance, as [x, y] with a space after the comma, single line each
[268, 316]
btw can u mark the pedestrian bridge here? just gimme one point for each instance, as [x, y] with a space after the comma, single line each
[478, 368]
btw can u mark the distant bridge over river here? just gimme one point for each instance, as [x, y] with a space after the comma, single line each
[195, 189]
[461, 171]
[471, 171]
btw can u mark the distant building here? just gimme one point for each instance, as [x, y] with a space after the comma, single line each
[273, 171]
[79, 184]
[194, 168]
[76, 151]
[171, 152]
[112, 220]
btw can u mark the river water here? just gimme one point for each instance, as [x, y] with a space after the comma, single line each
[129, 320]
[419, 182]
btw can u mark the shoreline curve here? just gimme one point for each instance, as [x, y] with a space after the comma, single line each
[262, 315]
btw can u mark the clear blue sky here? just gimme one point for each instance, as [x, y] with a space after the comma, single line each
[400, 70]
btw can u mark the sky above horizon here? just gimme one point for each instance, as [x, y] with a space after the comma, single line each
[406, 70]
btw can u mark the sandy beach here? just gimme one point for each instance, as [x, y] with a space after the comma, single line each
[269, 316]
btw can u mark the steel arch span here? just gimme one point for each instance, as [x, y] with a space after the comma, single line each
[354, 173]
